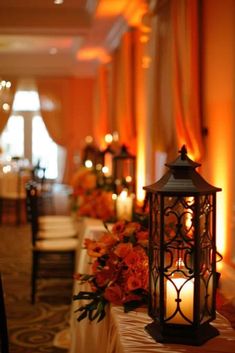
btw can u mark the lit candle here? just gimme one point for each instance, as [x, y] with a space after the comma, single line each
[185, 296]
[124, 206]
[105, 170]
[88, 164]
[108, 139]
[108, 163]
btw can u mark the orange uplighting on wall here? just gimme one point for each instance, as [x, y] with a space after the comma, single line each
[105, 8]
[218, 90]
[131, 10]
[141, 179]
[93, 53]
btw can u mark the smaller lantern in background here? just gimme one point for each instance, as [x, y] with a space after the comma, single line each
[124, 165]
[89, 154]
[107, 156]
[182, 255]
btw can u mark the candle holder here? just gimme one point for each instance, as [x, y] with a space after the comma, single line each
[90, 153]
[124, 206]
[182, 255]
[124, 165]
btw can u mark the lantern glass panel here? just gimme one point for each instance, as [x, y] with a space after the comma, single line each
[154, 256]
[207, 257]
[178, 239]
[179, 243]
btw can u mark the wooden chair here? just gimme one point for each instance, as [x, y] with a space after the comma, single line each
[54, 241]
[3, 322]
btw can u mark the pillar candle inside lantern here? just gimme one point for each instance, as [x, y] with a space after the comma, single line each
[124, 205]
[108, 163]
[185, 289]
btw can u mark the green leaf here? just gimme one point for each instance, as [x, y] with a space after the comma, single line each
[102, 315]
[82, 316]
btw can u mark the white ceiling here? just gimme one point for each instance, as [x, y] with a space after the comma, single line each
[38, 37]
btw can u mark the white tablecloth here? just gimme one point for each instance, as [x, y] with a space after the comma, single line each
[12, 184]
[119, 332]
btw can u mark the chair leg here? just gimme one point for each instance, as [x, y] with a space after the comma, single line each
[34, 277]
[1, 210]
[18, 212]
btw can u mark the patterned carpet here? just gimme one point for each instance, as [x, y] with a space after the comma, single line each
[32, 328]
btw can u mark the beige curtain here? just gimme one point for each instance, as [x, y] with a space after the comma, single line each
[101, 124]
[174, 78]
[160, 110]
[123, 83]
[66, 108]
[55, 106]
[7, 98]
[186, 98]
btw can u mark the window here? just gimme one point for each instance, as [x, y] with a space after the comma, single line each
[43, 148]
[12, 137]
[25, 135]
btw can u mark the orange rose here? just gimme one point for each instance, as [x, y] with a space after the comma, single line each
[108, 239]
[135, 257]
[114, 294]
[133, 283]
[95, 249]
[131, 228]
[142, 238]
[119, 227]
[123, 249]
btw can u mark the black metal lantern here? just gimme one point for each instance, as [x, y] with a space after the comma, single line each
[90, 152]
[182, 255]
[124, 165]
[107, 156]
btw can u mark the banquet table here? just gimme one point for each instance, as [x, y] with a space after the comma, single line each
[121, 332]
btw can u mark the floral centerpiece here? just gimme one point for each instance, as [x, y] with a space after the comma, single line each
[119, 271]
[89, 199]
[83, 181]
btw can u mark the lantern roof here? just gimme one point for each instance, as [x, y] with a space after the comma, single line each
[182, 178]
[124, 153]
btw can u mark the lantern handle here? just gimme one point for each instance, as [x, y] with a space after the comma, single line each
[183, 152]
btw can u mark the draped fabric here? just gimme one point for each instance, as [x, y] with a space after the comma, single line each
[175, 78]
[101, 116]
[160, 74]
[8, 98]
[186, 100]
[66, 110]
[55, 106]
[123, 81]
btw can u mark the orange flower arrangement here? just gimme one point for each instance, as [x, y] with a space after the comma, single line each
[89, 200]
[97, 204]
[83, 180]
[119, 270]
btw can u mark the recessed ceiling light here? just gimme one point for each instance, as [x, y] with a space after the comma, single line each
[58, 2]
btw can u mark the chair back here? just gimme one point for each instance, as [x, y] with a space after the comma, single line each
[32, 207]
[3, 322]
